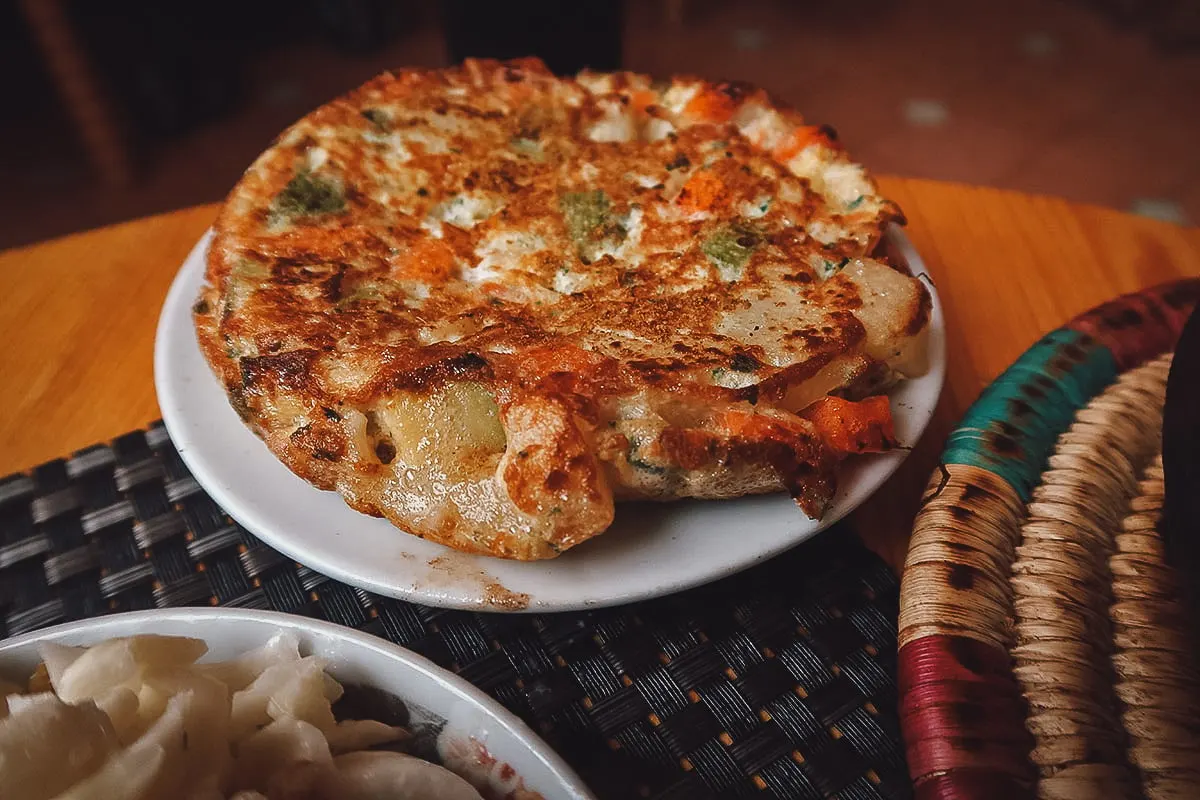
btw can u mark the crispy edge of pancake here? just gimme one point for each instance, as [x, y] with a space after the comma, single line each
[366, 496]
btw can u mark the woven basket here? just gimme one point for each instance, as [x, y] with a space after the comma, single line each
[1041, 643]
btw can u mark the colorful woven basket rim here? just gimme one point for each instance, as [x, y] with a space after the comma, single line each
[962, 712]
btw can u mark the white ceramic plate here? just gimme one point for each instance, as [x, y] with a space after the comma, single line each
[651, 549]
[466, 721]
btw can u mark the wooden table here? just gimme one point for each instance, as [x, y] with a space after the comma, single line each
[79, 314]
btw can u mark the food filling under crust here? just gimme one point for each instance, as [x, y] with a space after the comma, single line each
[485, 302]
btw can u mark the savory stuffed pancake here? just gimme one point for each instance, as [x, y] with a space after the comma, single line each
[484, 302]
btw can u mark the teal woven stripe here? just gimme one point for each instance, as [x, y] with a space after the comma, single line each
[1011, 429]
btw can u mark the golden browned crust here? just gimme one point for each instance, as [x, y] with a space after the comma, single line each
[481, 301]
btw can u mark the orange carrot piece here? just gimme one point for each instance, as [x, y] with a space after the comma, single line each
[799, 139]
[711, 105]
[701, 192]
[747, 424]
[641, 99]
[429, 260]
[850, 427]
[540, 361]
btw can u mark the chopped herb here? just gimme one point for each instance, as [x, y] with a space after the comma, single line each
[584, 212]
[680, 161]
[422, 192]
[247, 271]
[718, 373]
[307, 194]
[376, 117]
[730, 248]
[363, 291]
[856, 202]
[744, 363]
[527, 146]
[635, 460]
[831, 267]
[556, 510]
[591, 223]
[646, 466]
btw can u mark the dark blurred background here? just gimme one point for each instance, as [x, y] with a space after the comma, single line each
[125, 108]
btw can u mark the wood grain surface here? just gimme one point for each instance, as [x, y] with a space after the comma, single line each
[79, 313]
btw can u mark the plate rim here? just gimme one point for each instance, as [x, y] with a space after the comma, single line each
[178, 299]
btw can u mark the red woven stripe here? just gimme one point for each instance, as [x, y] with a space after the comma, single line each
[961, 709]
[969, 784]
[933, 659]
[1003, 717]
[993, 690]
[1136, 327]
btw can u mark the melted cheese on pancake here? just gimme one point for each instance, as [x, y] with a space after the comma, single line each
[602, 269]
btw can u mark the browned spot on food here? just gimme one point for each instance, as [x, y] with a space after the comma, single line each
[385, 451]
[556, 479]
[321, 440]
[291, 370]
[919, 318]
[496, 596]
[738, 90]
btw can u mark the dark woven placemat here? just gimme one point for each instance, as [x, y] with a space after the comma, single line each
[775, 683]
